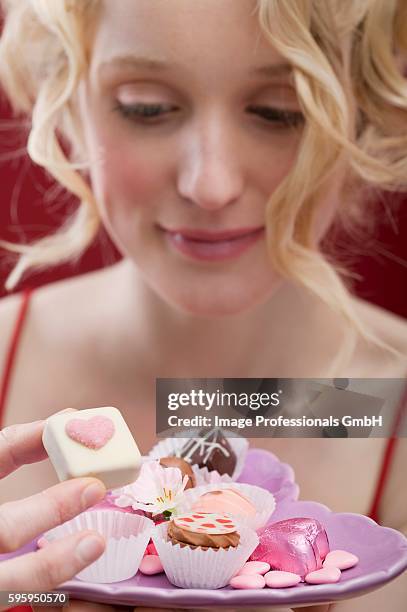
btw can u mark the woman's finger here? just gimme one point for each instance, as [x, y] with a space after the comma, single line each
[49, 567]
[23, 520]
[21, 444]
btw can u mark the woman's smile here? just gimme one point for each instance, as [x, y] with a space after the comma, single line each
[213, 246]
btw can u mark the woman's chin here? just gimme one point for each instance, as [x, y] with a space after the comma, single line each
[216, 305]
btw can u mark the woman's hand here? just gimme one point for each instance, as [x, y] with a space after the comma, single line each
[23, 520]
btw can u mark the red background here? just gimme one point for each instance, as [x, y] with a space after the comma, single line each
[28, 210]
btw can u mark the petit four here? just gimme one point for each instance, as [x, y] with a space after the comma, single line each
[203, 530]
[297, 545]
[188, 565]
[210, 450]
[250, 505]
[94, 442]
[229, 501]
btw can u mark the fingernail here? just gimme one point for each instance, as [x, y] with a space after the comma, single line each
[42, 542]
[93, 494]
[90, 548]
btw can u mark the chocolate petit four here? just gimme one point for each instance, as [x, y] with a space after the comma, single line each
[204, 530]
[297, 545]
[211, 450]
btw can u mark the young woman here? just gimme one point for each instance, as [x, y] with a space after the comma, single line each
[217, 143]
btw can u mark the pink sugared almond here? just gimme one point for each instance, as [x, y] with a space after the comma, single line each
[279, 580]
[150, 565]
[326, 575]
[254, 567]
[342, 559]
[248, 581]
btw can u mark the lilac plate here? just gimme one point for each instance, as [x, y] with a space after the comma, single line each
[264, 469]
[382, 553]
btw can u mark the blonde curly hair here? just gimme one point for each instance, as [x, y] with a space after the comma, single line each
[347, 60]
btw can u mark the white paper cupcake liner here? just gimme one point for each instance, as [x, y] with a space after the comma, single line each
[194, 568]
[204, 476]
[169, 446]
[261, 499]
[126, 535]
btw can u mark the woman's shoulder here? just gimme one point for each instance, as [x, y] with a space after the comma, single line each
[50, 370]
[388, 324]
[62, 305]
[56, 339]
[391, 330]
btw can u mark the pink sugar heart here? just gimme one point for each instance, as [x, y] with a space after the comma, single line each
[342, 559]
[326, 575]
[93, 433]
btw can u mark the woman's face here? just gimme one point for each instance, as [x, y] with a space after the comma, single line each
[182, 191]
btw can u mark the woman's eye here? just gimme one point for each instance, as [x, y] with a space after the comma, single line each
[144, 112]
[277, 116]
[152, 113]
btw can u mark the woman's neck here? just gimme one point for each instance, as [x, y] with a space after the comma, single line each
[292, 334]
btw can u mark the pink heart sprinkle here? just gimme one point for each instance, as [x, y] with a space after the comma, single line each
[342, 559]
[326, 575]
[93, 433]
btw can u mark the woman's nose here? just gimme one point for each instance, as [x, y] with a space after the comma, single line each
[210, 175]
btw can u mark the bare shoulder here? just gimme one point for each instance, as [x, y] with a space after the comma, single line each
[61, 323]
[390, 329]
[9, 307]
[50, 369]
[390, 326]
[57, 307]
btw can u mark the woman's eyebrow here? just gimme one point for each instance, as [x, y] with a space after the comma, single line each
[158, 65]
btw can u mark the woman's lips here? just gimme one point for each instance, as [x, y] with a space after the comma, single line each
[213, 246]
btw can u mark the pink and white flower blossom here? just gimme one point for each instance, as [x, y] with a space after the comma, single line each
[156, 490]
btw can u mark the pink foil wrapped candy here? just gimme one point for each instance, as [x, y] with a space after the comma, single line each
[297, 545]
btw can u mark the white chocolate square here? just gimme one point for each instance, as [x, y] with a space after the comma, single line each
[116, 463]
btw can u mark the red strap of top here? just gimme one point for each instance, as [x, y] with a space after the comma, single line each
[5, 381]
[12, 352]
[388, 457]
